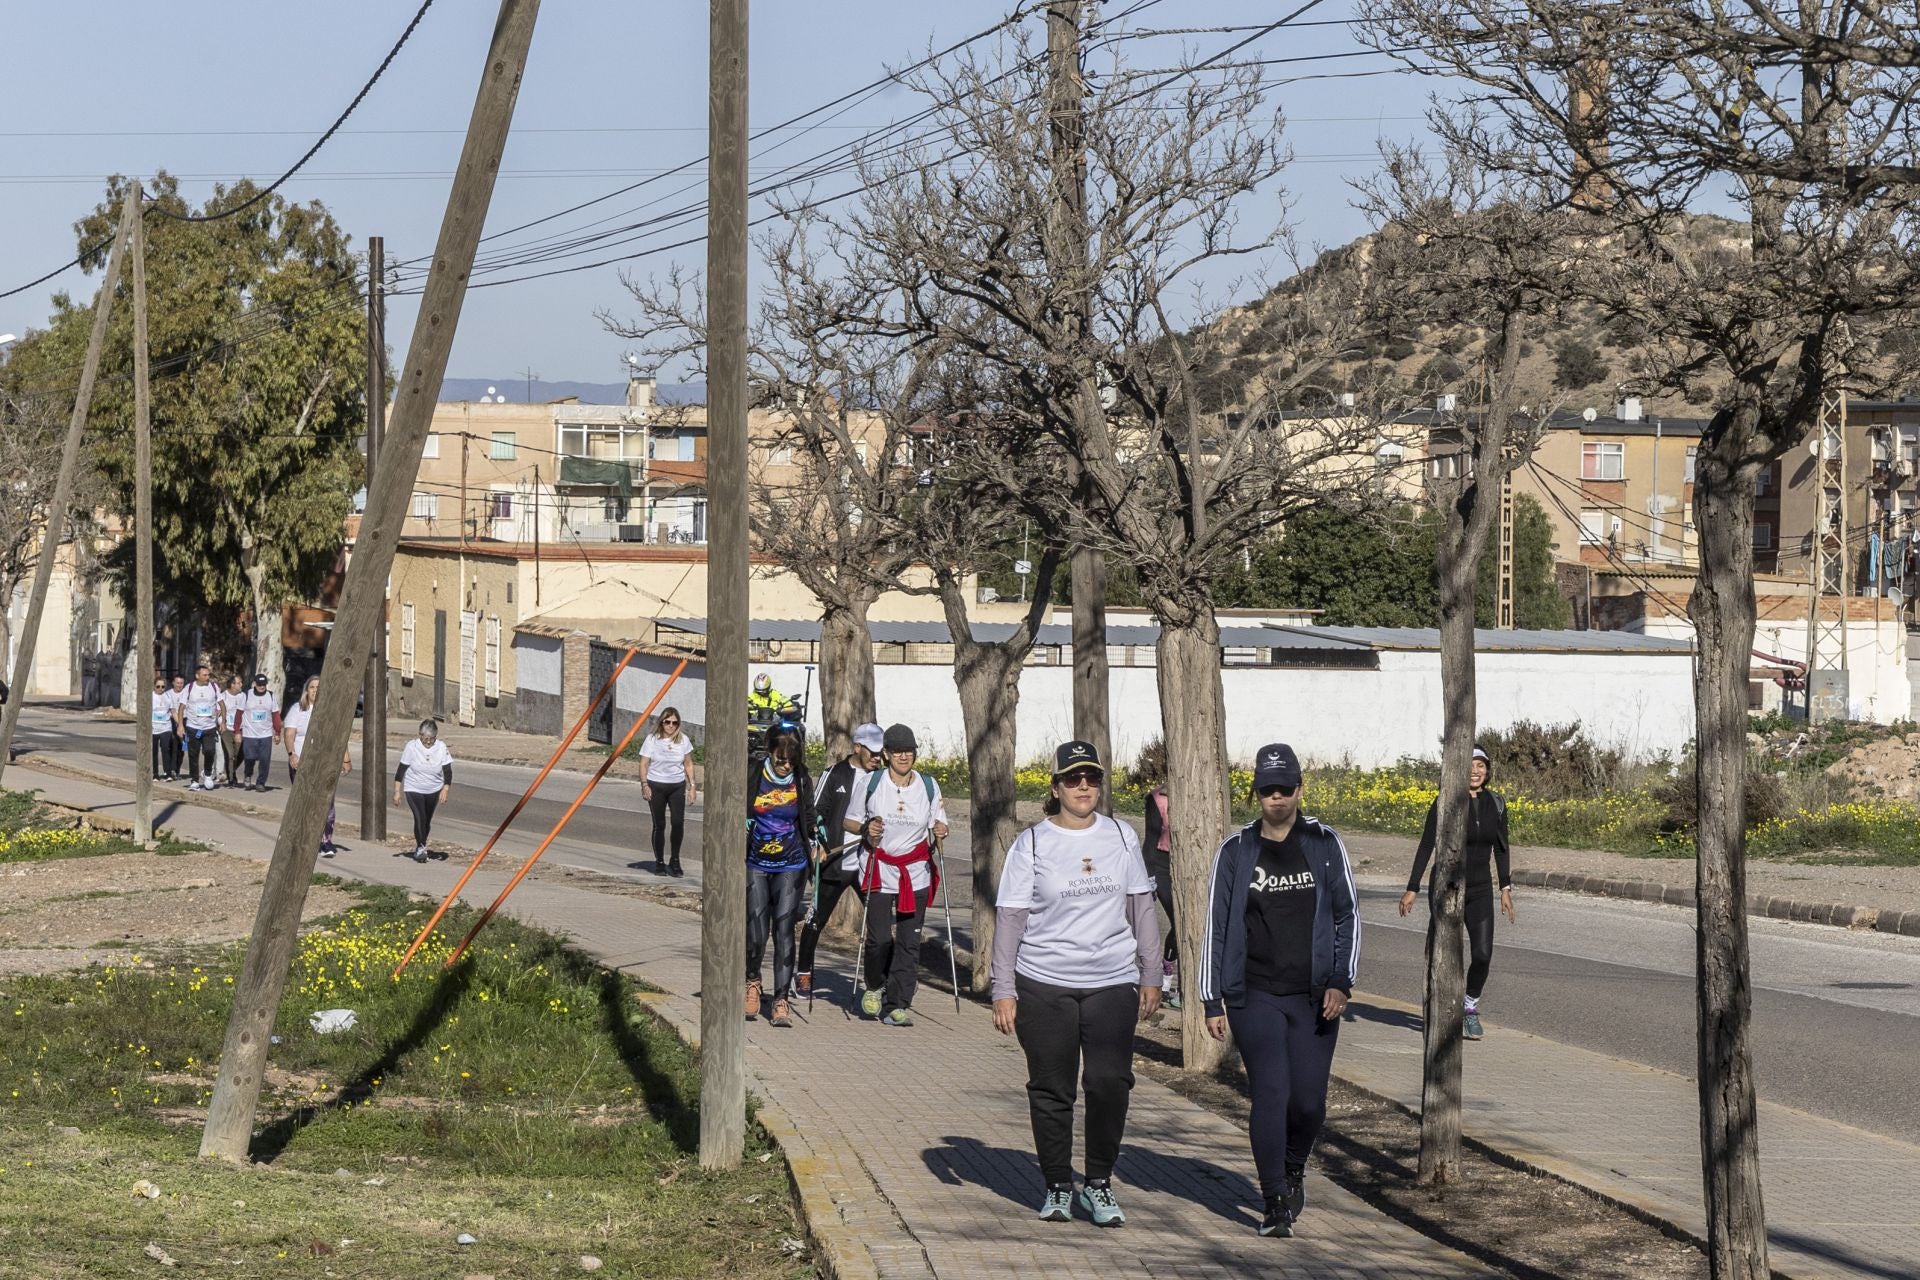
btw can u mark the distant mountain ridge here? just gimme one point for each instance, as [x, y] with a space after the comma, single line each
[516, 391]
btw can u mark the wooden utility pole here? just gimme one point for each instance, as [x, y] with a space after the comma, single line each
[63, 483]
[142, 643]
[723, 900]
[276, 926]
[373, 699]
[1068, 260]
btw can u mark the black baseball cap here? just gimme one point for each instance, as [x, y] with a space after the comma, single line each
[1076, 754]
[899, 738]
[1276, 765]
[261, 678]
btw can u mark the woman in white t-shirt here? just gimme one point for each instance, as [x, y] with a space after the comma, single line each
[293, 734]
[1076, 963]
[425, 777]
[667, 783]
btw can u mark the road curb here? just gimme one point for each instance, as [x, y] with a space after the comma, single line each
[1839, 914]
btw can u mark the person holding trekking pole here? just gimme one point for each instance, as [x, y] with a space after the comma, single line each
[1486, 843]
[1076, 963]
[1283, 948]
[839, 868]
[900, 813]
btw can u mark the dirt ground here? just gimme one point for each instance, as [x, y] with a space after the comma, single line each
[1528, 1225]
[72, 912]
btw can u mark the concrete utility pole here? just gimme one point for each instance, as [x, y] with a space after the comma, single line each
[63, 483]
[142, 642]
[373, 716]
[1068, 251]
[276, 927]
[723, 901]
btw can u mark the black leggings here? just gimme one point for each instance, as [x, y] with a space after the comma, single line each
[1479, 912]
[163, 753]
[773, 908]
[833, 883]
[1070, 1032]
[423, 803]
[1159, 866]
[668, 796]
[1288, 1051]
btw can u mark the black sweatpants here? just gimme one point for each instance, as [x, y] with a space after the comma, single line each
[1070, 1032]
[176, 748]
[834, 882]
[1288, 1051]
[163, 753]
[773, 905]
[893, 948]
[668, 796]
[201, 758]
[1477, 907]
[1160, 867]
[423, 803]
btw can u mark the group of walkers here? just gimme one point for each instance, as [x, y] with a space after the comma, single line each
[215, 734]
[1078, 956]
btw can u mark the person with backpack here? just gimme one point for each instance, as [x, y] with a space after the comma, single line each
[839, 870]
[200, 728]
[425, 777]
[1076, 964]
[900, 814]
[1486, 843]
[1158, 848]
[780, 839]
[1282, 953]
[258, 715]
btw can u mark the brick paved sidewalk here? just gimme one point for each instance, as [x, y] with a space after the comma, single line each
[1841, 1202]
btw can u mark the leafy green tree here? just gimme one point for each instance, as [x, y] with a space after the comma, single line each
[257, 335]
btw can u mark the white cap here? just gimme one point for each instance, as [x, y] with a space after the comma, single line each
[870, 736]
[1478, 754]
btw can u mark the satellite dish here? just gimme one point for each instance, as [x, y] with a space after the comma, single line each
[1589, 414]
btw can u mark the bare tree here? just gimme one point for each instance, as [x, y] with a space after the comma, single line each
[1801, 115]
[1466, 252]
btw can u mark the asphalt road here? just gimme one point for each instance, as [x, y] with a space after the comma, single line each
[1836, 1014]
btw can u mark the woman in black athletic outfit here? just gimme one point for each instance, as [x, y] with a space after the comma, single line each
[1486, 842]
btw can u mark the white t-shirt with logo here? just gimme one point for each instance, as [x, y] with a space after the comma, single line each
[296, 719]
[200, 706]
[255, 711]
[908, 817]
[667, 759]
[1074, 886]
[424, 765]
[161, 711]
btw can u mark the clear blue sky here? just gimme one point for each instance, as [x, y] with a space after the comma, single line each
[616, 89]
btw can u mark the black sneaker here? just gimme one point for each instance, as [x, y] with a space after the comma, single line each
[1296, 1192]
[1277, 1222]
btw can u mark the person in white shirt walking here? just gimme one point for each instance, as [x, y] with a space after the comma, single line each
[160, 713]
[293, 734]
[177, 747]
[230, 732]
[257, 712]
[667, 785]
[839, 869]
[200, 723]
[425, 777]
[1076, 964]
[900, 813]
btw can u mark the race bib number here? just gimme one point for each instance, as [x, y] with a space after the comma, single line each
[161, 720]
[260, 716]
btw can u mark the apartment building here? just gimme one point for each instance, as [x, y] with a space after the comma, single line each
[1880, 451]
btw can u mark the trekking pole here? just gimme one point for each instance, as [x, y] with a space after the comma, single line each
[946, 903]
[860, 954]
[813, 906]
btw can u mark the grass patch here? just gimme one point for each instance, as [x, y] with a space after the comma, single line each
[29, 832]
[523, 1097]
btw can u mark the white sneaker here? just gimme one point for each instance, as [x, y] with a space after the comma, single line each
[193, 786]
[208, 784]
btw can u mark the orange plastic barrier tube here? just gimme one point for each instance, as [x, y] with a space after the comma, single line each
[506, 822]
[565, 818]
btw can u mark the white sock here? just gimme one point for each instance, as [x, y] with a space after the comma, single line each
[1473, 1004]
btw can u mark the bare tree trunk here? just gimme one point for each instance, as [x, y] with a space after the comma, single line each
[1090, 675]
[846, 671]
[269, 653]
[1722, 609]
[1193, 714]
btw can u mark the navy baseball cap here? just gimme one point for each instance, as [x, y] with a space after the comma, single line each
[1076, 754]
[1276, 765]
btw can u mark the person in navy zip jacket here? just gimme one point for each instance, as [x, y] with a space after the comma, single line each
[1283, 948]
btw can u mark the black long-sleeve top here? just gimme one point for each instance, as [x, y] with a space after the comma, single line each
[1486, 842]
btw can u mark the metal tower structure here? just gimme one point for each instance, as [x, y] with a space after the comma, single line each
[1827, 635]
[1504, 614]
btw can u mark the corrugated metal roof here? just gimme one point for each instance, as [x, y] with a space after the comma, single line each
[1517, 641]
[807, 631]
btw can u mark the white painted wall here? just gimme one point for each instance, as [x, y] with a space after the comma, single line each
[1640, 703]
[645, 676]
[539, 662]
[52, 672]
[1878, 687]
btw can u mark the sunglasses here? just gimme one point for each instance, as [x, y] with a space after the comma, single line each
[1278, 790]
[1079, 778]
[669, 722]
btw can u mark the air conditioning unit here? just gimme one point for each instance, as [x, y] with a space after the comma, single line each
[1446, 403]
[1628, 409]
[1903, 467]
[1346, 399]
[986, 594]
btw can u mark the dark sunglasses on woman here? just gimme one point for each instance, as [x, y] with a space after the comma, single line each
[1277, 790]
